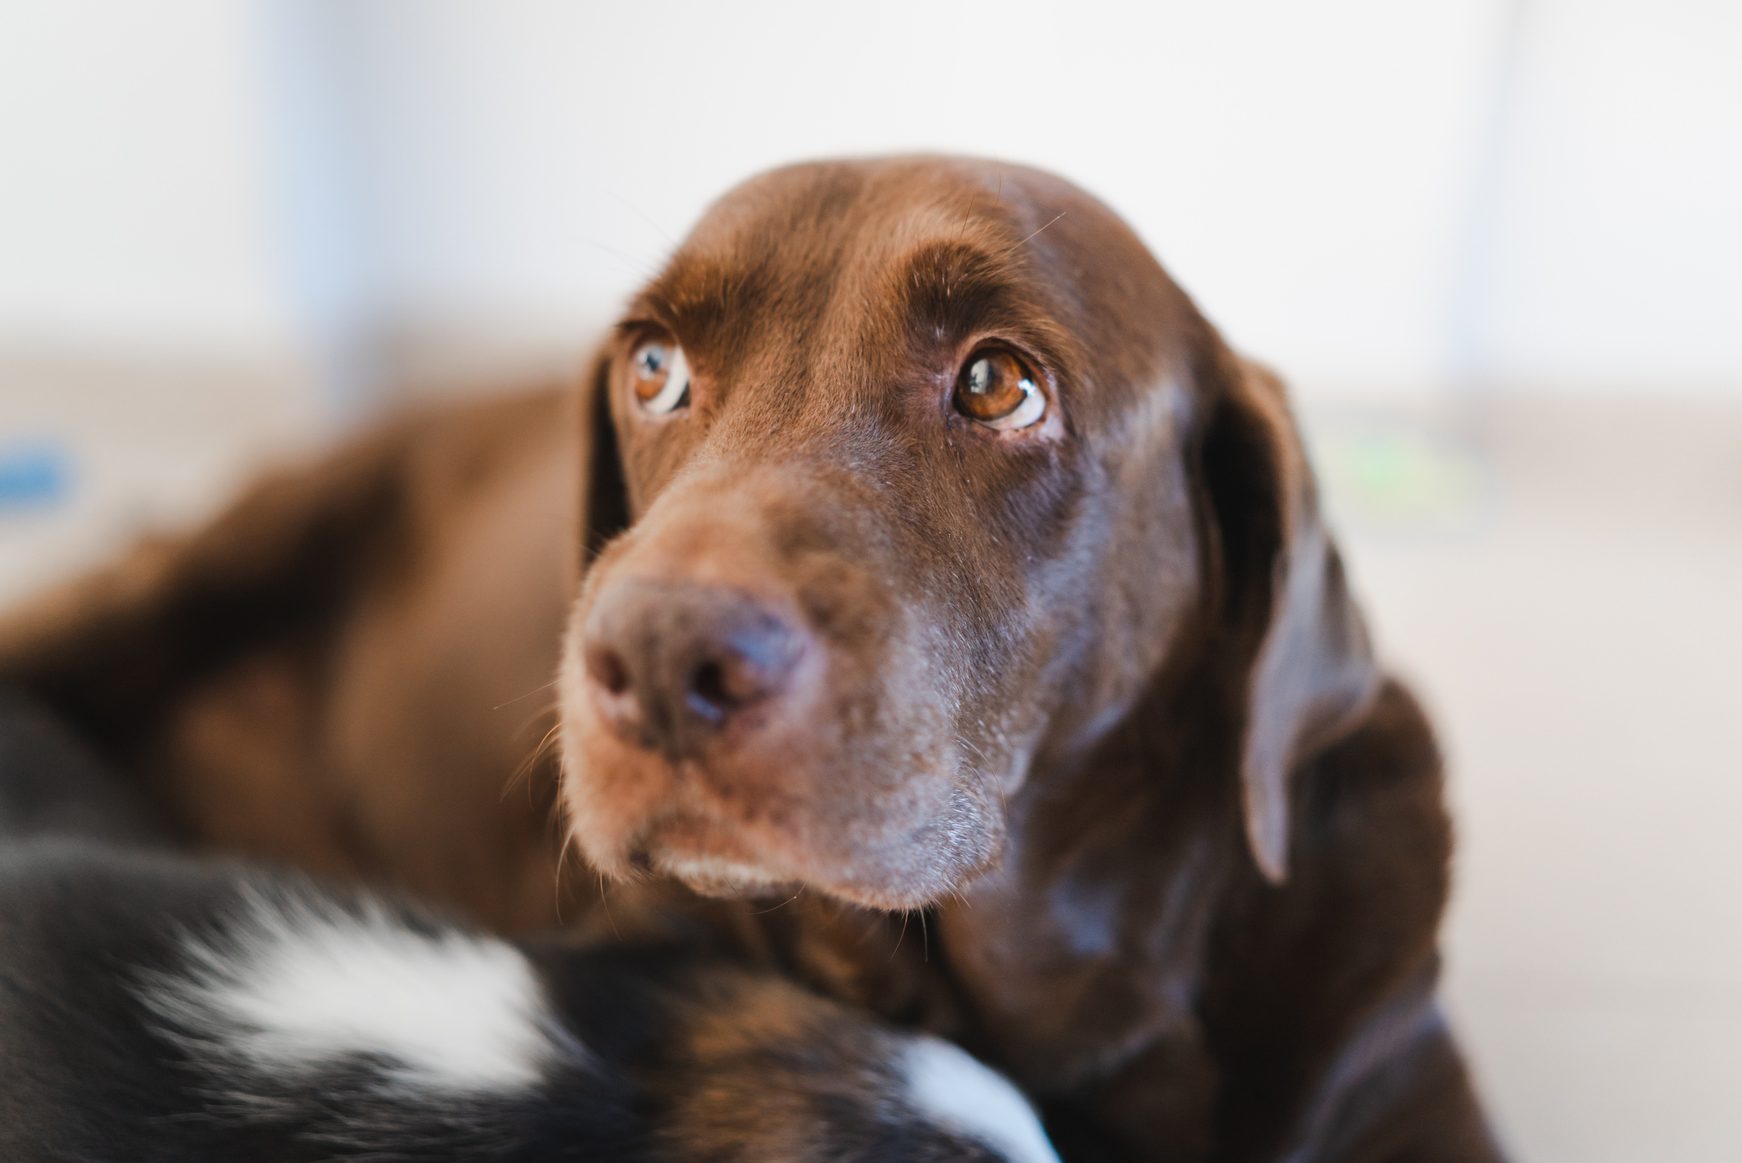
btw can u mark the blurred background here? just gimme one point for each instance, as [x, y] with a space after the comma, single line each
[1494, 244]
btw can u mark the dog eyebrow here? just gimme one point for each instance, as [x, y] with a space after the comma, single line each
[950, 285]
[697, 292]
[956, 288]
[960, 285]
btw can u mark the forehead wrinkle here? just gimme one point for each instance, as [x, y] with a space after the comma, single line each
[770, 268]
[962, 261]
[952, 290]
[898, 284]
[699, 294]
[953, 287]
[851, 342]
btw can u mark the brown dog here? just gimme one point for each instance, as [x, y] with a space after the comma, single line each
[348, 668]
[941, 557]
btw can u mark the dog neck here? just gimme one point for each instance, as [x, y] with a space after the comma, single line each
[1085, 945]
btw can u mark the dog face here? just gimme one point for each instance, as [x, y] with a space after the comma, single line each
[895, 497]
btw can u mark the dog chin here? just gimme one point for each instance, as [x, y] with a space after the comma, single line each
[718, 877]
[722, 877]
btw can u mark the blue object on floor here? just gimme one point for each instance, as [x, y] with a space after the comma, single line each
[34, 475]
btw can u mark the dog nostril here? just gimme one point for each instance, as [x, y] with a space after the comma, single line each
[608, 670]
[719, 685]
[708, 684]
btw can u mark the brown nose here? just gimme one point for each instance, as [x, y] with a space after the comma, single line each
[672, 663]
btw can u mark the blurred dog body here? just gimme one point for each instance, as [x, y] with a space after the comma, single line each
[350, 670]
[161, 1007]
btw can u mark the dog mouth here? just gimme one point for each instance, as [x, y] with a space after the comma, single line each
[756, 826]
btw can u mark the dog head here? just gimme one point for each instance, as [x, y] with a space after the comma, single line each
[909, 477]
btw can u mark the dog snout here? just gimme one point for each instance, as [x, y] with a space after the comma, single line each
[672, 664]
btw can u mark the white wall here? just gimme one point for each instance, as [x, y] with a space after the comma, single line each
[1370, 194]
[1618, 243]
[134, 176]
[1303, 173]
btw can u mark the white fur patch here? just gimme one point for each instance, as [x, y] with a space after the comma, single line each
[954, 1091]
[297, 984]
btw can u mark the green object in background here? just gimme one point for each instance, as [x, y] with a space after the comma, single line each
[1401, 477]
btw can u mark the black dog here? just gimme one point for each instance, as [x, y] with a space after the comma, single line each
[158, 1006]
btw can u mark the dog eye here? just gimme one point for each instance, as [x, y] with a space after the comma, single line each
[997, 390]
[660, 377]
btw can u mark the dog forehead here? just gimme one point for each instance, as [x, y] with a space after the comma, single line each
[895, 193]
[785, 239]
[788, 230]
[781, 240]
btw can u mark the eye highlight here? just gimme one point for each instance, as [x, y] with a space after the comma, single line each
[659, 376]
[997, 389]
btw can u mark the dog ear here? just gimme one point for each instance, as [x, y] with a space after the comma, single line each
[1303, 669]
[604, 510]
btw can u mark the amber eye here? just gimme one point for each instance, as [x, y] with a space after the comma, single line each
[660, 376]
[997, 390]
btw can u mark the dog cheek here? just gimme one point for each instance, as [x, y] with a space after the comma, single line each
[607, 809]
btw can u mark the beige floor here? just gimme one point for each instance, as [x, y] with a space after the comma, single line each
[1573, 613]
[1561, 578]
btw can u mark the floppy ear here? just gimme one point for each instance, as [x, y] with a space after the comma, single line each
[1303, 668]
[604, 509]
